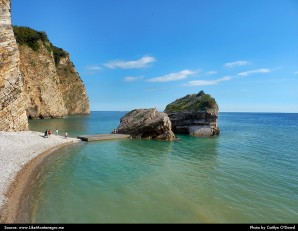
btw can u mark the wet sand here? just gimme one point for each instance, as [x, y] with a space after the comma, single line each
[21, 156]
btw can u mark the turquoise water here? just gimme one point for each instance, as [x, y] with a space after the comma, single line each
[248, 174]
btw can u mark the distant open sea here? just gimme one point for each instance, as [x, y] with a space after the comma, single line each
[248, 174]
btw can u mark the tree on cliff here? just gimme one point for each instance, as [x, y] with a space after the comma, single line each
[29, 37]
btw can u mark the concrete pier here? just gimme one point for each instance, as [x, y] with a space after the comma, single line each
[99, 137]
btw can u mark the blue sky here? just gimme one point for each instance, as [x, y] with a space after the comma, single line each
[147, 53]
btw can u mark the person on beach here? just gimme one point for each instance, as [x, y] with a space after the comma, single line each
[46, 134]
[57, 132]
[49, 132]
[66, 134]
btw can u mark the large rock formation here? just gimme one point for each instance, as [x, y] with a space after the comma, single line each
[12, 111]
[194, 114]
[146, 123]
[52, 87]
[43, 97]
[72, 88]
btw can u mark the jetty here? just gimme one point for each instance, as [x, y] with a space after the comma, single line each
[100, 137]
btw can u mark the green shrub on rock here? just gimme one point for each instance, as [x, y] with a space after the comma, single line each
[28, 37]
[193, 103]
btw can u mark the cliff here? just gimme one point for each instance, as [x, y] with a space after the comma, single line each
[12, 110]
[194, 114]
[72, 88]
[52, 87]
[147, 124]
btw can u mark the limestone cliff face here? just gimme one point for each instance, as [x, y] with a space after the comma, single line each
[52, 87]
[194, 114]
[12, 111]
[72, 88]
[43, 97]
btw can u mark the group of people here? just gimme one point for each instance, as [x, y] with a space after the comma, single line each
[114, 131]
[48, 132]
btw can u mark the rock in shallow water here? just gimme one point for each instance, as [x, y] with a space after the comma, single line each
[147, 124]
[194, 114]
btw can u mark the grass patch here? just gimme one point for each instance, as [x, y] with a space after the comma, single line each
[193, 103]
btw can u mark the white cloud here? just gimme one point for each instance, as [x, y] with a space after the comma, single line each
[257, 71]
[208, 82]
[132, 78]
[140, 63]
[173, 76]
[236, 64]
[211, 73]
[296, 72]
[93, 68]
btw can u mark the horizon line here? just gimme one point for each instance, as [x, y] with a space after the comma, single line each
[219, 111]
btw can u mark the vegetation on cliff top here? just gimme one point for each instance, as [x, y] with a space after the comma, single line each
[31, 38]
[193, 103]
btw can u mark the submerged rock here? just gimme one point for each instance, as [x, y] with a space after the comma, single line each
[146, 123]
[194, 114]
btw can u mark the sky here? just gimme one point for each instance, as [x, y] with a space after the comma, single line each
[147, 53]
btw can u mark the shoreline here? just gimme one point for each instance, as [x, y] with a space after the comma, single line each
[15, 187]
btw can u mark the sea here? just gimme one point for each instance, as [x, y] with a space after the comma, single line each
[247, 174]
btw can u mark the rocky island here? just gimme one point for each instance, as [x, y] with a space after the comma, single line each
[147, 124]
[194, 114]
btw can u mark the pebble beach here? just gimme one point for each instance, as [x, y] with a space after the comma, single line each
[17, 150]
